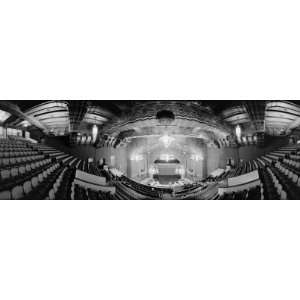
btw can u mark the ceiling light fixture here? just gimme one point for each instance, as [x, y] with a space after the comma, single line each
[238, 131]
[166, 140]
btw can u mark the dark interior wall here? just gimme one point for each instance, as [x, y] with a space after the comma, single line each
[217, 158]
[80, 151]
[36, 134]
[117, 157]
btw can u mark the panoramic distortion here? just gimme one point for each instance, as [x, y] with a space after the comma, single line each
[149, 150]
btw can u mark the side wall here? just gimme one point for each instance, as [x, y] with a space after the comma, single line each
[217, 158]
[116, 157]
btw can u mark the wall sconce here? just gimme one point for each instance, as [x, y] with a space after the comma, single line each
[137, 157]
[196, 157]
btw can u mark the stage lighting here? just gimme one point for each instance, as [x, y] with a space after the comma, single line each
[136, 157]
[167, 157]
[196, 157]
[95, 132]
[238, 131]
[166, 140]
[153, 170]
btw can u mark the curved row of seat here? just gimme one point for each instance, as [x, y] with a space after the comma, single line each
[251, 194]
[14, 161]
[34, 171]
[275, 183]
[10, 175]
[16, 152]
[62, 189]
[22, 187]
[269, 190]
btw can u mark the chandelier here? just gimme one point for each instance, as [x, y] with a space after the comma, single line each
[166, 140]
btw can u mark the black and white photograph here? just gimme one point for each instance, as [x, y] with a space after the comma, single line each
[150, 150]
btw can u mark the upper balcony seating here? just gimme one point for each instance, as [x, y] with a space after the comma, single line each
[80, 193]
[292, 163]
[295, 157]
[275, 184]
[17, 152]
[260, 163]
[266, 160]
[22, 186]
[43, 190]
[67, 159]
[83, 166]
[269, 190]
[15, 175]
[16, 161]
[285, 186]
[62, 187]
[272, 156]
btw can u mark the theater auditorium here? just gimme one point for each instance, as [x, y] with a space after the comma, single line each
[149, 150]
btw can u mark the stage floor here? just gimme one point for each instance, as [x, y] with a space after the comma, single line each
[167, 179]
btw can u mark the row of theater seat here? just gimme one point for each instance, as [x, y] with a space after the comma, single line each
[191, 189]
[62, 189]
[80, 193]
[275, 183]
[269, 190]
[251, 194]
[16, 152]
[14, 161]
[122, 192]
[43, 191]
[37, 180]
[59, 179]
[11, 175]
[140, 188]
[291, 188]
[34, 171]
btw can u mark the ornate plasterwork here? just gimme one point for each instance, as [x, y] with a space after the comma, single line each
[190, 119]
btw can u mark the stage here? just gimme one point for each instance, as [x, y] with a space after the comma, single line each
[167, 179]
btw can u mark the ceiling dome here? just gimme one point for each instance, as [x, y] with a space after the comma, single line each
[165, 117]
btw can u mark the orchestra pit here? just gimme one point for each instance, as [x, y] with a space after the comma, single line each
[149, 150]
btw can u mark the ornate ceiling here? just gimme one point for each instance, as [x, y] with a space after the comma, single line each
[208, 120]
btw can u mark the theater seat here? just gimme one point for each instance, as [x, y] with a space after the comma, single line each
[14, 172]
[5, 174]
[17, 192]
[295, 178]
[27, 187]
[283, 195]
[5, 195]
[34, 182]
[51, 195]
[22, 170]
[40, 177]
